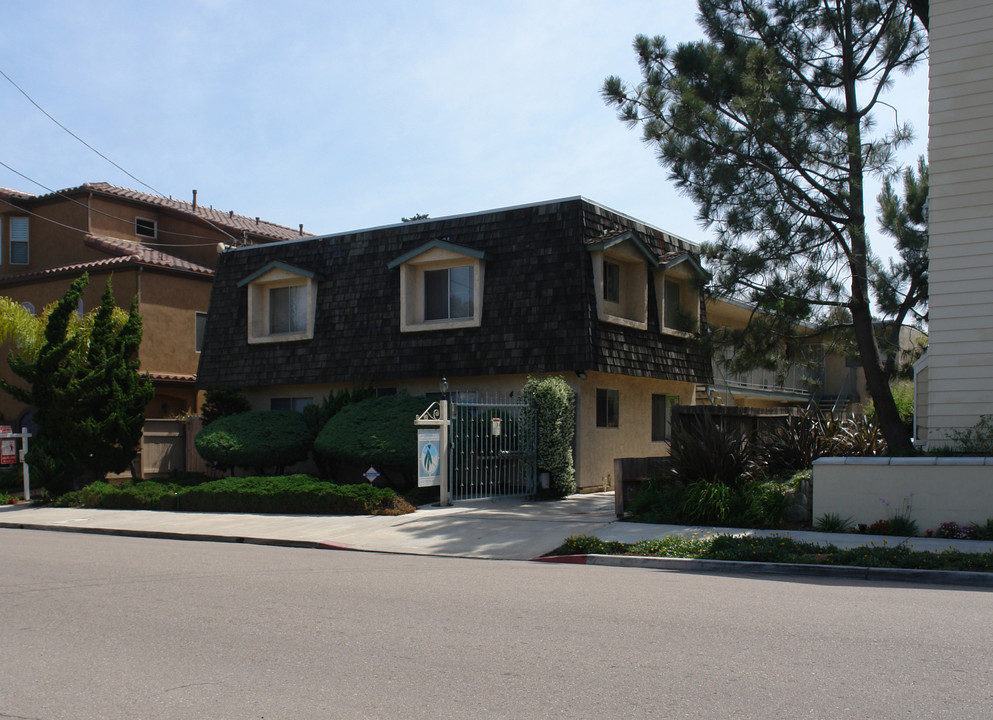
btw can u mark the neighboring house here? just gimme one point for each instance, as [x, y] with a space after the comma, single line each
[566, 287]
[826, 378]
[955, 379]
[161, 250]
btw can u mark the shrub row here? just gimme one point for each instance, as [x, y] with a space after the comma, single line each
[290, 494]
[782, 550]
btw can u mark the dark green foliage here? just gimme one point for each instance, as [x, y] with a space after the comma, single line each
[255, 440]
[795, 444]
[703, 452]
[292, 494]
[379, 432]
[88, 395]
[658, 501]
[765, 503]
[982, 531]
[317, 416]
[221, 402]
[903, 526]
[555, 402]
[832, 522]
[712, 503]
[783, 550]
[762, 126]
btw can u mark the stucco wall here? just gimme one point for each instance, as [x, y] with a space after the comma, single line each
[936, 490]
[596, 447]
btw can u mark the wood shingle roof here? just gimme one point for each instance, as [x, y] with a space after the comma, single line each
[538, 314]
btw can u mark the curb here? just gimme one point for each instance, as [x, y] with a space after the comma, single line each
[929, 577]
[164, 535]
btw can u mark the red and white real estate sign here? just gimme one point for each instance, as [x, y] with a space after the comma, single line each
[8, 447]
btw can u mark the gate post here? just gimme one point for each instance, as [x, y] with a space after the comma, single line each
[444, 501]
[436, 416]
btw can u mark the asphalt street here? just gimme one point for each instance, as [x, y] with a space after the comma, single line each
[120, 627]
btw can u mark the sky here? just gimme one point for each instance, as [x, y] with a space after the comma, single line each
[347, 114]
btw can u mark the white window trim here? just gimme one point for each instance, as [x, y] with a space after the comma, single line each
[155, 228]
[259, 286]
[633, 287]
[436, 256]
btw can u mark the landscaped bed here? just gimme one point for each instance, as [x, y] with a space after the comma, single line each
[289, 494]
[780, 550]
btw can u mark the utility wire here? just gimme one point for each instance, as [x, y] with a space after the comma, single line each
[49, 116]
[123, 220]
[43, 110]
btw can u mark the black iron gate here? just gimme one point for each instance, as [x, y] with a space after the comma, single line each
[493, 450]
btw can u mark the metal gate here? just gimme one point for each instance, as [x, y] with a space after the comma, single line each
[493, 450]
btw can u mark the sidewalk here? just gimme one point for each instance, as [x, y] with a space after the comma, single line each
[493, 529]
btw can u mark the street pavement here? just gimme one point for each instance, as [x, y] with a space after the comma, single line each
[502, 529]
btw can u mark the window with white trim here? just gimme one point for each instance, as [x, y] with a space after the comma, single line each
[441, 287]
[281, 304]
[19, 239]
[146, 228]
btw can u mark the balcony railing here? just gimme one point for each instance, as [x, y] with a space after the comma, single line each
[801, 380]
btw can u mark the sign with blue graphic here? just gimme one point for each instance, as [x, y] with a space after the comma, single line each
[428, 457]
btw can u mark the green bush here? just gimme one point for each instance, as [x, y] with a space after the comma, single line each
[379, 432]
[256, 440]
[658, 501]
[556, 406]
[223, 401]
[834, 523]
[765, 503]
[712, 503]
[292, 494]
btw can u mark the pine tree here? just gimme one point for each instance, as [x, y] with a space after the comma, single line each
[88, 397]
[768, 125]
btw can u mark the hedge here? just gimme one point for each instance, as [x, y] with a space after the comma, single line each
[256, 439]
[289, 494]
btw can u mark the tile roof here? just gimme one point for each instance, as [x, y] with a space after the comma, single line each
[123, 253]
[229, 221]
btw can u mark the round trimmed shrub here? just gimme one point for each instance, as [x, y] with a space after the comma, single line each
[379, 432]
[256, 439]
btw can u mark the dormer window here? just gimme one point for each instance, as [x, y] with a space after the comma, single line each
[282, 302]
[441, 287]
[620, 275]
[677, 293]
[145, 228]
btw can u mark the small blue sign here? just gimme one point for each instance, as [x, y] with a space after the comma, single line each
[371, 474]
[428, 457]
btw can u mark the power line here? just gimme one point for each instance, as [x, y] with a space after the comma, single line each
[123, 220]
[46, 113]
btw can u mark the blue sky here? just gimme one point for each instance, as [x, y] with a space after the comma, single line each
[341, 114]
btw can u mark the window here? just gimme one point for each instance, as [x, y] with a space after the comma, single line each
[677, 294]
[200, 324]
[282, 303]
[611, 281]
[145, 228]
[448, 293]
[288, 309]
[662, 417]
[620, 275]
[607, 402]
[386, 392]
[673, 306]
[290, 403]
[441, 287]
[19, 240]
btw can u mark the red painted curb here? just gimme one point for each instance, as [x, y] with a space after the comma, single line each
[568, 559]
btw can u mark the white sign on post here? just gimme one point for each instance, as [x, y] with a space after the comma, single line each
[428, 457]
[8, 447]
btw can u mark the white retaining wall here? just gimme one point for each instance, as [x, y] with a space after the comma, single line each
[937, 489]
